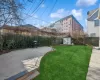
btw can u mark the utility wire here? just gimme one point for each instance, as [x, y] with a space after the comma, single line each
[44, 11]
[36, 9]
[37, 6]
[52, 7]
[35, 17]
[33, 3]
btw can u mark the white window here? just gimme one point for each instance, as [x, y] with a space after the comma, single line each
[93, 35]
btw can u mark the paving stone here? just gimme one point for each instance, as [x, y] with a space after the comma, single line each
[94, 66]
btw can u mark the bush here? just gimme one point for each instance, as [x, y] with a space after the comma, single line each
[10, 41]
[1, 43]
[79, 41]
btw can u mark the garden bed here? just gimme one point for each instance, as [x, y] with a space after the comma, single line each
[4, 51]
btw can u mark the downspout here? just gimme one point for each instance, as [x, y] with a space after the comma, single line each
[99, 24]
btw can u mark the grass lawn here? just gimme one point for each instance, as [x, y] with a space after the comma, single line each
[66, 63]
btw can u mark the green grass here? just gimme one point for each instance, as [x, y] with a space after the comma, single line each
[66, 63]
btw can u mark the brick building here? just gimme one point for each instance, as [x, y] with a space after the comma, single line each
[29, 31]
[48, 29]
[69, 25]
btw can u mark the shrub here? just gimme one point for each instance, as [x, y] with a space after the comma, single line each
[9, 41]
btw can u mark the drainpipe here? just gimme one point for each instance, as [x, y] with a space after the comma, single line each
[99, 25]
[99, 33]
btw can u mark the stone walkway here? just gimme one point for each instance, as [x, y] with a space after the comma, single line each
[11, 63]
[94, 66]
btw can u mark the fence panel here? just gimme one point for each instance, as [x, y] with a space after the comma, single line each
[92, 41]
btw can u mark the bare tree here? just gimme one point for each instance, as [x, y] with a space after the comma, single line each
[10, 12]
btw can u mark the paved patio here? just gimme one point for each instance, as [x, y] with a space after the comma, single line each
[94, 66]
[11, 63]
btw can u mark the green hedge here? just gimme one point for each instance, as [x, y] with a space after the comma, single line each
[10, 41]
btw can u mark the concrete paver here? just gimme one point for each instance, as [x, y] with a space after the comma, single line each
[94, 66]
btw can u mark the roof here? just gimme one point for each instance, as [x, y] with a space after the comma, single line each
[7, 27]
[89, 13]
[64, 18]
[29, 26]
[18, 28]
[93, 14]
[69, 17]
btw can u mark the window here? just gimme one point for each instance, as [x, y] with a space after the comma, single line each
[92, 35]
[70, 22]
[97, 23]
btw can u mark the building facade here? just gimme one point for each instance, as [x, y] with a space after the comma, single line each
[6, 29]
[48, 29]
[93, 23]
[30, 31]
[70, 26]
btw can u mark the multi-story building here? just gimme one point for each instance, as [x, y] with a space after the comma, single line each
[27, 30]
[49, 29]
[16, 30]
[70, 26]
[93, 23]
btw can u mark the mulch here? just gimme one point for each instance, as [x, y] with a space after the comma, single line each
[8, 50]
[4, 51]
